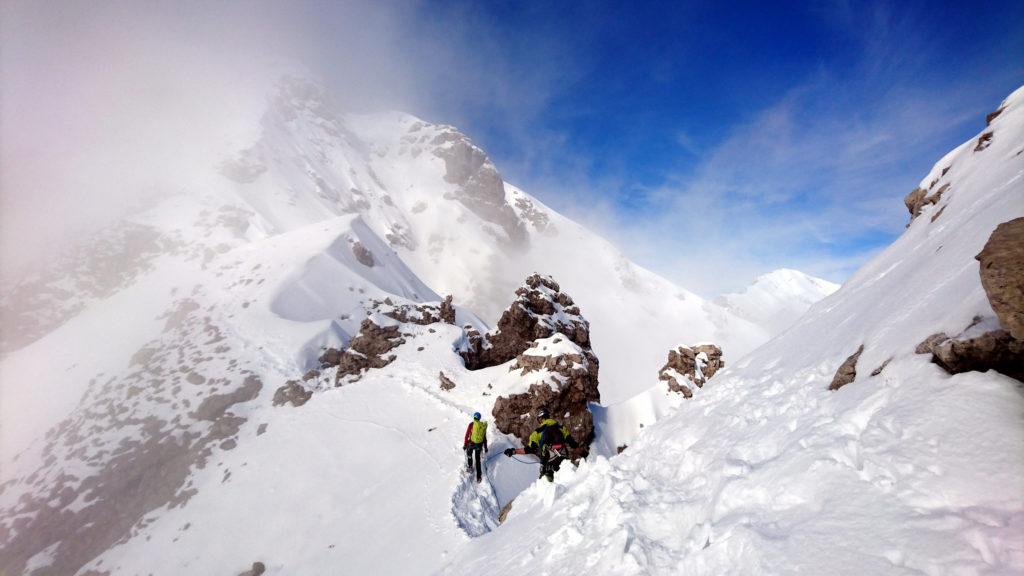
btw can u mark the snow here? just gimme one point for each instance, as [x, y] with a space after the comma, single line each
[766, 471]
[778, 299]
[761, 472]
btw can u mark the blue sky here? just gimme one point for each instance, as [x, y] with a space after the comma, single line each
[716, 141]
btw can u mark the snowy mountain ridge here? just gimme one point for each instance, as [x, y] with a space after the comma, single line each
[140, 371]
[778, 299]
[901, 468]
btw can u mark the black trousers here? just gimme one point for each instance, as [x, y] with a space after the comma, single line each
[473, 458]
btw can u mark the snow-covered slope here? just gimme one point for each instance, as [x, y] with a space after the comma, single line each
[139, 369]
[778, 299]
[906, 470]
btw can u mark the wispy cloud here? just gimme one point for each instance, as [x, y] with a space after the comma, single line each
[815, 179]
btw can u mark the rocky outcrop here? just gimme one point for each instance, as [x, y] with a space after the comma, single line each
[446, 382]
[564, 379]
[691, 365]
[330, 358]
[996, 343]
[993, 115]
[881, 367]
[540, 310]
[978, 351]
[994, 350]
[479, 186]
[362, 254]
[544, 332]
[291, 393]
[1002, 275]
[984, 141]
[368, 349]
[919, 198]
[847, 371]
[422, 314]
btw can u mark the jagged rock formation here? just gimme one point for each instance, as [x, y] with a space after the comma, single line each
[1002, 275]
[847, 371]
[369, 349]
[480, 187]
[566, 383]
[540, 310]
[421, 314]
[446, 382]
[984, 141]
[550, 342]
[691, 364]
[919, 198]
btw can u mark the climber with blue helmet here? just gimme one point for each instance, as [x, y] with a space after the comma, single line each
[475, 441]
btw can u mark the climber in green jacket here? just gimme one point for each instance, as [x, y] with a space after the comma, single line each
[474, 441]
[550, 442]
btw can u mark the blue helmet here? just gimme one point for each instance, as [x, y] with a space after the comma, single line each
[476, 415]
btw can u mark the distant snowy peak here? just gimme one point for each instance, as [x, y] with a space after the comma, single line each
[777, 299]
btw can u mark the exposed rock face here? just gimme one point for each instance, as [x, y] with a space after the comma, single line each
[369, 349]
[566, 377]
[446, 382]
[919, 198]
[550, 342]
[540, 310]
[291, 393]
[480, 187]
[847, 371]
[993, 115]
[926, 346]
[364, 256]
[979, 351]
[1002, 275]
[995, 350]
[330, 358]
[447, 310]
[421, 314]
[691, 364]
[881, 367]
[984, 141]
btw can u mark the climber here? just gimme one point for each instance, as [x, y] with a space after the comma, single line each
[475, 440]
[550, 442]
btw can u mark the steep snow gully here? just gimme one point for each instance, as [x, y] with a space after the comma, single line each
[279, 369]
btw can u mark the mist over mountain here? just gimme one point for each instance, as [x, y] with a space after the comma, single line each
[263, 298]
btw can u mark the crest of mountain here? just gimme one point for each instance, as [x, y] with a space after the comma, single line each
[777, 299]
[163, 383]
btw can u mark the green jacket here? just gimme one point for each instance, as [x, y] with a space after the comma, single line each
[549, 432]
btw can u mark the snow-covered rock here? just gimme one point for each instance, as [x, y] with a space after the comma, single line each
[691, 366]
